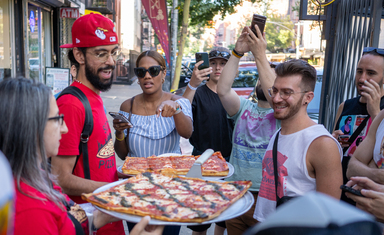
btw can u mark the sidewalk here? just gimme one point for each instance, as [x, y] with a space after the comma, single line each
[112, 100]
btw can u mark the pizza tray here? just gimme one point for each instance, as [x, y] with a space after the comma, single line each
[236, 209]
[231, 170]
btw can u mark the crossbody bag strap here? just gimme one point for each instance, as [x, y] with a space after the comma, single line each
[87, 128]
[274, 153]
[129, 119]
[357, 132]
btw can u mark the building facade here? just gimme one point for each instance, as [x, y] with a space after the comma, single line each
[31, 32]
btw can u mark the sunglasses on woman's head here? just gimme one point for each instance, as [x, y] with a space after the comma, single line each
[153, 71]
[222, 54]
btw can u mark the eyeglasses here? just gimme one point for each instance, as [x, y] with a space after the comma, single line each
[375, 49]
[153, 71]
[59, 118]
[284, 93]
[222, 54]
[104, 56]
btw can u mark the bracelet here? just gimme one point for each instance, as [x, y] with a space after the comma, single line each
[237, 54]
[191, 87]
[178, 110]
[119, 139]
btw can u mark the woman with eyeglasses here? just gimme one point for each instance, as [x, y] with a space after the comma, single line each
[30, 133]
[159, 118]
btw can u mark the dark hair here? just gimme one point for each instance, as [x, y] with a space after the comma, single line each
[154, 55]
[359, 140]
[348, 118]
[298, 67]
[72, 59]
[24, 108]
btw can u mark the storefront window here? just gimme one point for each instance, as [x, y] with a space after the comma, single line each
[5, 45]
[39, 43]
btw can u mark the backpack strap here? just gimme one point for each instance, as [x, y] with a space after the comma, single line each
[87, 129]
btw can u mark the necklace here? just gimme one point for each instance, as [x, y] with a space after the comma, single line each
[78, 81]
[145, 103]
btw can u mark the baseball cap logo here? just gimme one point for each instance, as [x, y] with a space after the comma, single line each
[77, 40]
[100, 34]
[112, 39]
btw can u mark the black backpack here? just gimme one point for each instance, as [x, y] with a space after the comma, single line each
[87, 129]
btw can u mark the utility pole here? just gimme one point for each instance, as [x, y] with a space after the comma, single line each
[298, 40]
[174, 23]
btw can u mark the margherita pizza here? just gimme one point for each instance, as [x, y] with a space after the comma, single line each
[170, 198]
[180, 165]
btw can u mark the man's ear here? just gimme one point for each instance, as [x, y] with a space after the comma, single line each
[79, 56]
[308, 97]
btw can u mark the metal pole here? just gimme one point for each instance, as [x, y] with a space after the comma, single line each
[175, 14]
[376, 19]
[298, 34]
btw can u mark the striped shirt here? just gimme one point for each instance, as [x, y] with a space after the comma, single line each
[151, 135]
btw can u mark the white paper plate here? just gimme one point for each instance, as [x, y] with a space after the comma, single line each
[230, 173]
[236, 209]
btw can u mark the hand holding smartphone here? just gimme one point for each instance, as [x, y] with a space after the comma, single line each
[120, 117]
[202, 56]
[351, 190]
[343, 140]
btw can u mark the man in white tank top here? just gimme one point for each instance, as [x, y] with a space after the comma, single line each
[308, 157]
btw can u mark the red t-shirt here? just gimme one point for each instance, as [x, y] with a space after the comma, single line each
[34, 216]
[101, 153]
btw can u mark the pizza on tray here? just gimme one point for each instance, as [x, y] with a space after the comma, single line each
[170, 197]
[180, 165]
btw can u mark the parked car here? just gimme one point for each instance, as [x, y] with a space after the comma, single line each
[246, 79]
[314, 106]
[34, 64]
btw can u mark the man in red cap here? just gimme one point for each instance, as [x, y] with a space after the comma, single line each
[95, 47]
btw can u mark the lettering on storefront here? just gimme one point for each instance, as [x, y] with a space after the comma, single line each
[68, 12]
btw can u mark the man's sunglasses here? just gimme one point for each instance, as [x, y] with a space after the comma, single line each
[375, 49]
[222, 54]
[153, 71]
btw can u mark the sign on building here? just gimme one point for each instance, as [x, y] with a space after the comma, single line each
[68, 12]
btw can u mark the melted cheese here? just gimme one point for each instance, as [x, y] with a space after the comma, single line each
[143, 185]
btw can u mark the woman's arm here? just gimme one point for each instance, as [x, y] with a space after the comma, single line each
[179, 111]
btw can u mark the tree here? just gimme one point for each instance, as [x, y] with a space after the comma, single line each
[199, 12]
[279, 33]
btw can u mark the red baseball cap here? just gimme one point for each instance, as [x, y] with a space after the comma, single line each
[92, 30]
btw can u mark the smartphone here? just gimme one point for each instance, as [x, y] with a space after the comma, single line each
[120, 117]
[343, 139]
[202, 56]
[351, 190]
[258, 20]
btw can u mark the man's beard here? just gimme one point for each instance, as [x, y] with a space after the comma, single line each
[95, 80]
[260, 94]
[291, 112]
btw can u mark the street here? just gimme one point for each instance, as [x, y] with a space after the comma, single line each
[112, 100]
